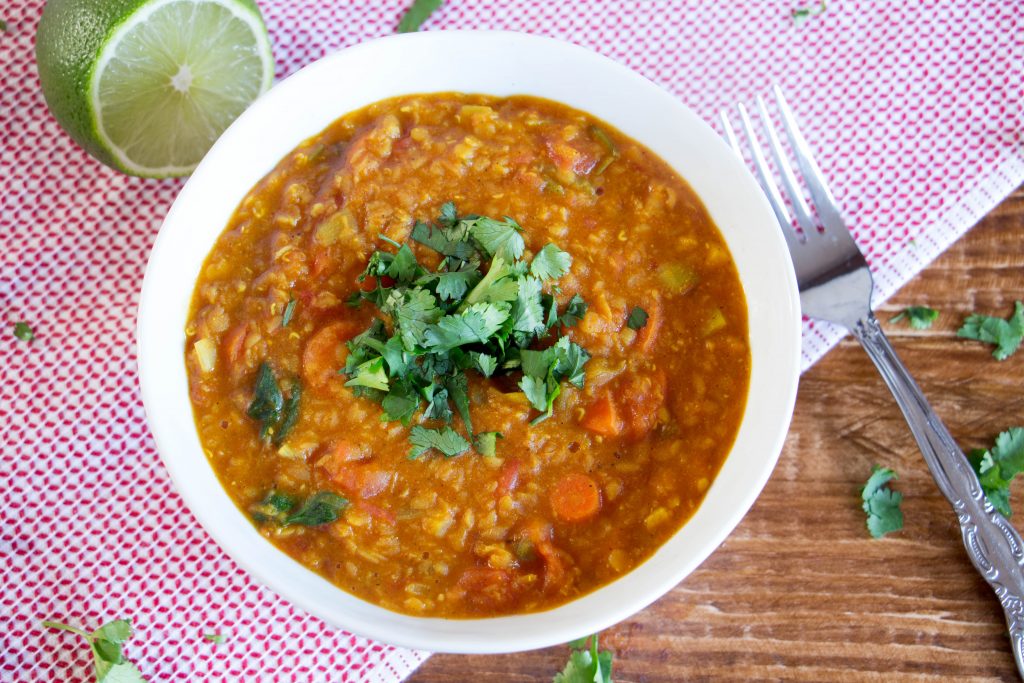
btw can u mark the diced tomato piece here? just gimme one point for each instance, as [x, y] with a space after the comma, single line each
[324, 261]
[354, 476]
[602, 417]
[508, 478]
[233, 341]
[486, 586]
[378, 513]
[575, 498]
[325, 353]
[539, 534]
[641, 396]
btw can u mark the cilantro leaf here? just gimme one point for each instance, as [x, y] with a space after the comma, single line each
[500, 239]
[440, 241]
[536, 390]
[403, 267]
[417, 13]
[475, 324]
[574, 311]
[320, 508]
[586, 665]
[24, 332]
[449, 442]
[996, 468]
[448, 216]
[109, 663]
[437, 407]
[458, 389]
[803, 14]
[919, 317]
[881, 503]
[371, 375]
[550, 263]
[400, 404]
[637, 318]
[1005, 334]
[289, 312]
[571, 359]
[413, 310]
[485, 364]
[496, 285]
[527, 312]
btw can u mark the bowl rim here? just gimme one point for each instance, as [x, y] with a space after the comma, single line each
[485, 635]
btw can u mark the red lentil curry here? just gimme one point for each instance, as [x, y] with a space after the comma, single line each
[445, 413]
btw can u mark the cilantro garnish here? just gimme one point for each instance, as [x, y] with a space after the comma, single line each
[109, 663]
[586, 664]
[270, 407]
[919, 317]
[1005, 334]
[637, 318]
[997, 467]
[881, 503]
[803, 14]
[23, 332]
[448, 441]
[481, 310]
[289, 311]
[417, 14]
[276, 507]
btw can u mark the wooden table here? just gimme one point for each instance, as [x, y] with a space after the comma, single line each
[799, 591]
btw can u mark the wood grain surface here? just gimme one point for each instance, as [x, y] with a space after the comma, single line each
[799, 591]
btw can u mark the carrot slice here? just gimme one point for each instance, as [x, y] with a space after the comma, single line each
[602, 417]
[575, 498]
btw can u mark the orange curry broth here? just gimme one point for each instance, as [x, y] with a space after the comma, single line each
[474, 536]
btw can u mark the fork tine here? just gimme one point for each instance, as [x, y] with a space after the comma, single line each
[828, 210]
[774, 198]
[803, 214]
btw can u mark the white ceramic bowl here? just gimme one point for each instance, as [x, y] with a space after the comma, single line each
[496, 63]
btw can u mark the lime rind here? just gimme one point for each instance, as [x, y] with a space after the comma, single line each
[160, 98]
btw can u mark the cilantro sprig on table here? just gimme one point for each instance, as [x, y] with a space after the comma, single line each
[483, 310]
[109, 662]
[586, 663]
[881, 503]
[1006, 335]
[997, 467]
[918, 317]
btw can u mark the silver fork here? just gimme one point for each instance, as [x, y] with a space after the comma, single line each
[836, 286]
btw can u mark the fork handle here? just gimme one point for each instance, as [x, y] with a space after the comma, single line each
[994, 546]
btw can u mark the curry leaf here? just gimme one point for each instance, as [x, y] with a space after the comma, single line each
[320, 508]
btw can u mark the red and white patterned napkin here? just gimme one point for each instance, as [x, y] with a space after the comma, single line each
[913, 108]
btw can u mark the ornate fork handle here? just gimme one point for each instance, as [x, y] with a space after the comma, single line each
[994, 546]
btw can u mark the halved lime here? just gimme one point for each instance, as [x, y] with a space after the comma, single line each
[147, 86]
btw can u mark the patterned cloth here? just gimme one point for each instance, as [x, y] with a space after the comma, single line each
[914, 109]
